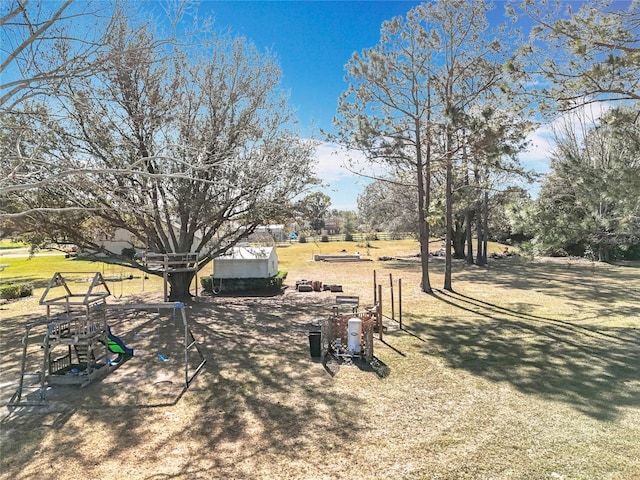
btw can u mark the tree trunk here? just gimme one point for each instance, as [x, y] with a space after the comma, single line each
[424, 181]
[179, 283]
[424, 256]
[479, 255]
[448, 217]
[485, 227]
[468, 217]
[469, 221]
[459, 238]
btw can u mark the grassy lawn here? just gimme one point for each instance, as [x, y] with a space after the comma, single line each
[529, 370]
[6, 244]
[39, 269]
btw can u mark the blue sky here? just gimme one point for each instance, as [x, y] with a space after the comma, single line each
[313, 40]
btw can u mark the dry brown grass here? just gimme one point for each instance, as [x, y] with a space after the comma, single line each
[529, 370]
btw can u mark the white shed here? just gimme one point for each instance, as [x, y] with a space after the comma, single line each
[246, 262]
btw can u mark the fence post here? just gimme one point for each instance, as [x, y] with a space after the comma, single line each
[400, 302]
[380, 311]
[375, 294]
[393, 308]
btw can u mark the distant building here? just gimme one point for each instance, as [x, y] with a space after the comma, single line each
[117, 241]
[274, 231]
[332, 225]
[121, 239]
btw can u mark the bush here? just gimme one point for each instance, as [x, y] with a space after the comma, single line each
[243, 285]
[630, 252]
[16, 290]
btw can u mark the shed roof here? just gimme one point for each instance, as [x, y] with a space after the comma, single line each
[247, 253]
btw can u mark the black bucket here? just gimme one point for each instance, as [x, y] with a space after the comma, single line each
[315, 344]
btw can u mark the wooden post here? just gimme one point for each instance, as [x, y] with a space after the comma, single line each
[393, 308]
[400, 302]
[375, 295]
[380, 312]
[165, 275]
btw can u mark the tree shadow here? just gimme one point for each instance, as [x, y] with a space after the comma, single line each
[333, 363]
[574, 281]
[594, 370]
[259, 387]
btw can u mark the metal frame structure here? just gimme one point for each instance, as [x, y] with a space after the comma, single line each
[79, 323]
[189, 340]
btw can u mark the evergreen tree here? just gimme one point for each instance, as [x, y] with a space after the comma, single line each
[589, 203]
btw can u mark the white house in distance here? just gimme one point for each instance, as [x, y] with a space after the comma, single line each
[273, 231]
[120, 239]
[116, 241]
[246, 262]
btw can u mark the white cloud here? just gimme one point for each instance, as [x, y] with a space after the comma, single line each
[541, 144]
[334, 161]
[344, 172]
[584, 115]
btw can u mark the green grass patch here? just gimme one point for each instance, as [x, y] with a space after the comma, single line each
[39, 269]
[7, 244]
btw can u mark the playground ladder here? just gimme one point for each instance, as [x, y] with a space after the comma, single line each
[16, 399]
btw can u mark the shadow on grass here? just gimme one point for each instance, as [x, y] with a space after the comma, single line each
[33, 280]
[574, 281]
[259, 388]
[73, 278]
[333, 363]
[594, 370]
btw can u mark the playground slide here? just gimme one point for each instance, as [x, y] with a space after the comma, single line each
[116, 345]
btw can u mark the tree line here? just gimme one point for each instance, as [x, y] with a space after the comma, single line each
[446, 101]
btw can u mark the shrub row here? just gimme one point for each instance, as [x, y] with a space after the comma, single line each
[16, 290]
[242, 285]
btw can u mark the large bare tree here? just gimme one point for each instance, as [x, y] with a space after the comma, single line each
[188, 148]
[44, 44]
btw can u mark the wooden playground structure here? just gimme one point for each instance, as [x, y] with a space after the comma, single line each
[169, 263]
[75, 344]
